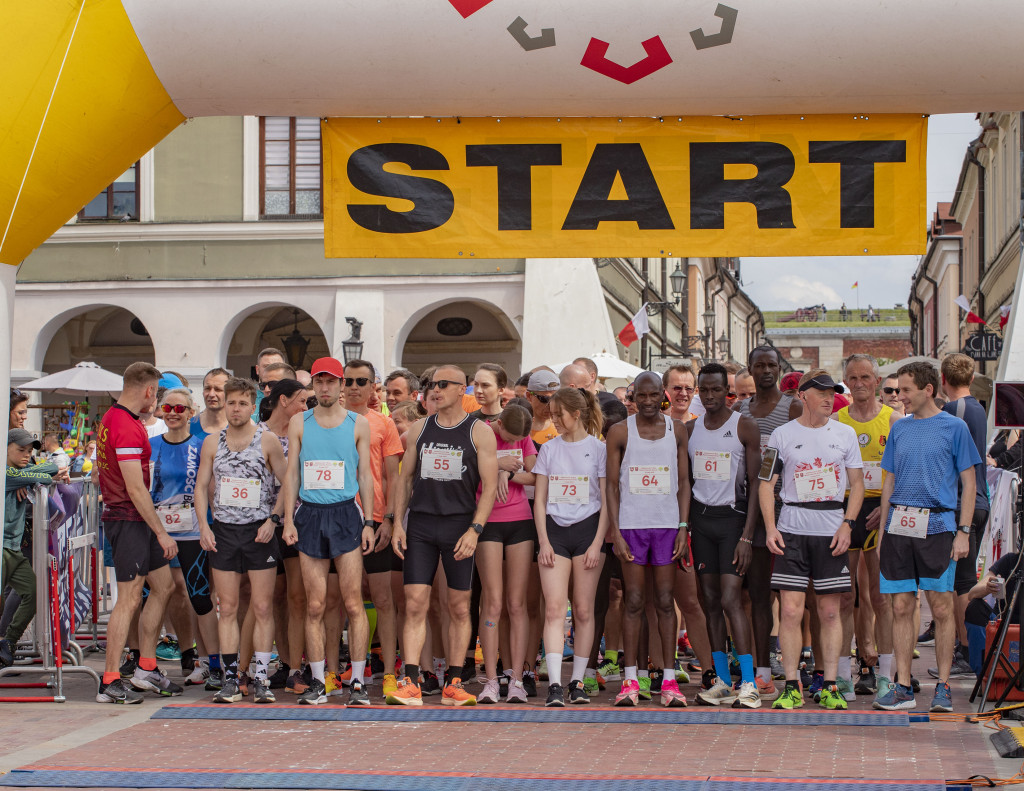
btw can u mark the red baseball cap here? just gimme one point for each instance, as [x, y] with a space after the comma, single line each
[328, 365]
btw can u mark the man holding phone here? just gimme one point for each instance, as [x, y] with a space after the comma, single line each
[817, 459]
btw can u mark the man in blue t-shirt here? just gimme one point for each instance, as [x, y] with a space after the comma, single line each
[957, 374]
[924, 459]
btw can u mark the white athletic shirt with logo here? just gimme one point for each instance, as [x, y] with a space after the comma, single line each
[713, 455]
[649, 480]
[805, 450]
[586, 458]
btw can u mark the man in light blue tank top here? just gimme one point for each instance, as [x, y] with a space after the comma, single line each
[328, 463]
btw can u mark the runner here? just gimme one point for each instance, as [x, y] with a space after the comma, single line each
[212, 419]
[815, 457]
[725, 454]
[141, 546]
[680, 386]
[175, 459]
[648, 508]
[329, 460]
[923, 539]
[571, 489]
[455, 457]
[891, 395]
[267, 357]
[541, 387]
[239, 466]
[745, 387]
[871, 421]
[504, 555]
[385, 453]
[400, 386]
[770, 408]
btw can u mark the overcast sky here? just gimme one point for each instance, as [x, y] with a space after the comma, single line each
[782, 283]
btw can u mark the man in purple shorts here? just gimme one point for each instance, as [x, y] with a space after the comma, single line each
[648, 505]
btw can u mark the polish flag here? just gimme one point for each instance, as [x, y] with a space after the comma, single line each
[972, 317]
[636, 328]
[1004, 315]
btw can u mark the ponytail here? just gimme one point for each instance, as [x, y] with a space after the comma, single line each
[585, 403]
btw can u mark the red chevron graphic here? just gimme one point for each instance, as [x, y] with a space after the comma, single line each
[597, 50]
[468, 7]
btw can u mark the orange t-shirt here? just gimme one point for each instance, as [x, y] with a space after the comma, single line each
[545, 434]
[469, 403]
[384, 442]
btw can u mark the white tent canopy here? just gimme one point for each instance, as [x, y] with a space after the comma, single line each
[84, 379]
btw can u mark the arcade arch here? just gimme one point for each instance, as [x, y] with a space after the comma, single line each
[270, 326]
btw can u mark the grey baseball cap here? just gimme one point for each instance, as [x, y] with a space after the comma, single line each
[21, 438]
[542, 381]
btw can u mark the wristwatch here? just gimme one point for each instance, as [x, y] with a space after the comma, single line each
[368, 523]
[965, 529]
[390, 517]
[479, 528]
[848, 522]
[276, 519]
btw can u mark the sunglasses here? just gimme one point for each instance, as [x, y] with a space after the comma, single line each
[175, 408]
[442, 384]
[891, 390]
[629, 397]
[542, 398]
[360, 381]
[15, 392]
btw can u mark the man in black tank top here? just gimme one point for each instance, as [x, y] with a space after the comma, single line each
[454, 456]
[765, 366]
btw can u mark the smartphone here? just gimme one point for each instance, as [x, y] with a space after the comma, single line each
[769, 462]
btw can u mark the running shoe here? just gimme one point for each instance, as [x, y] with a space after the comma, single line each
[943, 700]
[883, 686]
[591, 685]
[333, 684]
[577, 692]
[357, 695]
[789, 699]
[866, 684]
[455, 695]
[390, 684]
[555, 697]
[719, 693]
[915, 685]
[280, 677]
[215, 681]
[503, 681]
[767, 691]
[295, 683]
[845, 688]
[530, 684]
[261, 692]
[961, 668]
[671, 697]
[708, 679]
[491, 693]
[896, 698]
[609, 671]
[346, 677]
[117, 691]
[748, 697]
[155, 681]
[406, 694]
[927, 637]
[644, 683]
[229, 692]
[315, 695]
[198, 676]
[516, 693]
[917, 654]
[817, 684]
[682, 677]
[657, 676]
[542, 669]
[377, 668]
[168, 649]
[430, 685]
[693, 666]
[775, 661]
[469, 667]
[683, 644]
[602, 682]
[629, 694]
[6, 653]
[832, 699]
[128, 666]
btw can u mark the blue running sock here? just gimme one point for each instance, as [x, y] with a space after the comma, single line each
[214, 661]
[747, 668]
[722, 666]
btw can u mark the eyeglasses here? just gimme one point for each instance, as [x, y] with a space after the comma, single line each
[15, 392]
[542, 398]
[442, 384]
[681, 389]
[360, 381]
[265, 385]
[891, 390]
[175, 408]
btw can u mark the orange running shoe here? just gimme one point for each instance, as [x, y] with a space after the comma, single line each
[600, 681]
[407, 694]
[456, 695]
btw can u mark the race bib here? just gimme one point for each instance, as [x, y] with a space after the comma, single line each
[441, 464]
[906, 521]
[872, 475]
[176, 518]
[764, 443]
[569, 489]
[650, 480]
[240, 492]
[323, 474]
[517, 452]
[712, 465]
[816, 484]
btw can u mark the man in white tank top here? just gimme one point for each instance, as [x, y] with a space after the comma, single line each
[648, 505]
[725, 455]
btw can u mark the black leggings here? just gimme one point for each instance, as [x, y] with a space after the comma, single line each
[195, 566]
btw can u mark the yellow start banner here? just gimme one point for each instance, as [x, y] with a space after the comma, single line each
[587, 187]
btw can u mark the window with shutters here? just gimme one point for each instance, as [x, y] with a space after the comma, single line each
[290, 168]
[119, 201]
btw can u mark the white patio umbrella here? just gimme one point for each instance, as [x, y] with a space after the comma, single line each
[84, 379]
[611, 367]
[891, 368]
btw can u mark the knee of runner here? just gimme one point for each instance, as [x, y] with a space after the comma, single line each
[879, 603]
[515, 606]
[262, 610]
[315, 608]
[905, 606]
[297, 598]
[664, 602]
[633, 601]
[942, 608]
[203, 605]
[846, 601]
[790, 610]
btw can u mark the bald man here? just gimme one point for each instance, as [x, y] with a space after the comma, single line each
[575, 376]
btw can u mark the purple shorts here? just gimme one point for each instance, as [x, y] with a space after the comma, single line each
[651, 546]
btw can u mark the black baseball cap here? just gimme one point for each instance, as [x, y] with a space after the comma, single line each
[822, 382]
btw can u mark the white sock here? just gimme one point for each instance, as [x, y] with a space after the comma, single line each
[885, 665]
[669, 674]
[764, 674]
[262, 663]
[590, 672]
[843, 669]
[554, 668]
[644, 673]
[579, 667]
[357, 671]
[630, 673]
[317, 668]
[439, 667]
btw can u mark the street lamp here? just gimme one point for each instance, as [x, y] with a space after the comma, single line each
[709, 331]
[352, 347]
[295, 345]
[678, 281]
[723, 345]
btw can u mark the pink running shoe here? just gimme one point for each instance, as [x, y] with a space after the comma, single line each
[671, 697]
[629, 693]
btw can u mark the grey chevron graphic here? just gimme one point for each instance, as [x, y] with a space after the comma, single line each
[701, 40]
[528, 42]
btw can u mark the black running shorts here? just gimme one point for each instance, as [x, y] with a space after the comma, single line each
[238, 550]
[714, 533]
[430, 539]
[135, 548]
[809, 559]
